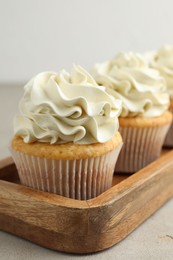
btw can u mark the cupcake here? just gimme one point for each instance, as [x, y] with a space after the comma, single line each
[144, 120]
[162, 60]
[66, 136]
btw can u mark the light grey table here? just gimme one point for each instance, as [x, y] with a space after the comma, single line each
[152, 240]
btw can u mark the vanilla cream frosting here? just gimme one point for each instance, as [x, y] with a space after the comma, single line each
[162, 60]
[62, 107]
[128, 77]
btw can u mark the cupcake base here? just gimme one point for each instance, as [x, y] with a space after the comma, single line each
[82, 179]
[143, 139]
[169, 137]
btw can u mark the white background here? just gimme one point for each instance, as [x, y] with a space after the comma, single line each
[39, 35]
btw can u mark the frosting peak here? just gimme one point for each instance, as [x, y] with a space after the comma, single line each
[62, 107]
[129, 78]
[162, 60]
[129, 60]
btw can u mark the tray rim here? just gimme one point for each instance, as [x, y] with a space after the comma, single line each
[95, 224]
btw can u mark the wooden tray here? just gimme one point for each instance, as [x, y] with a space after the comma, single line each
[88, 226]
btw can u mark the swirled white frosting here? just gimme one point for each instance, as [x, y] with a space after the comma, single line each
[62, 107]
[162, 60]
[129, 78]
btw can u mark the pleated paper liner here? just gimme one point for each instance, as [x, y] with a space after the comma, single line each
[169, 137]
[78, 179]
[141, 147]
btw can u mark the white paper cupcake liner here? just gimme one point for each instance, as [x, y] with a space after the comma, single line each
[169, 137]
[78, 179]
[141, 147]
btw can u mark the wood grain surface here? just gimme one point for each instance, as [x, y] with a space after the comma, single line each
[75, 226]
